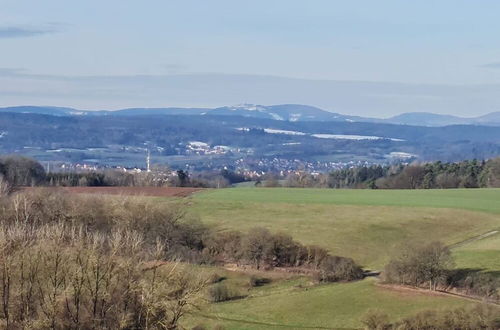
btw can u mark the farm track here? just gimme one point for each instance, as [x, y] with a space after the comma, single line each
[127, 191]
[474, 239]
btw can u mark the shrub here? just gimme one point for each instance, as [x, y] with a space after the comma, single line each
[375, 319]
[219, 327]
[284, 251]
[256, 246]
[255, 281]
[472, 282]
[334, 268]
[220, 292]
[313, 255]
[199, 327]
[226, 244]
[417, 265]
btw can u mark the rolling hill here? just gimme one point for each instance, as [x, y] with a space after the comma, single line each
[119, 138]
[282, 112]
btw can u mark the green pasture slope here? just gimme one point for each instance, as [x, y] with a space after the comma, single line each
[487, 200]
[482, 254]
[333, 306]
[367, 225]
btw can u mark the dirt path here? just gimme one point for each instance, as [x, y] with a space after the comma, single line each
[473, 239]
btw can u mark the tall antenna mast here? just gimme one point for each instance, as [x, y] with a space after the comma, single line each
[148, 161]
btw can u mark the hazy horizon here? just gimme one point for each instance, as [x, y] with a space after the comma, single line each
[365, 58]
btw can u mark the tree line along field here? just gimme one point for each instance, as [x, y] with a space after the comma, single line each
[367, 225]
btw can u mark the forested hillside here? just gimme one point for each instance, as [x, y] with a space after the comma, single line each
[222, 140]
[431, 175]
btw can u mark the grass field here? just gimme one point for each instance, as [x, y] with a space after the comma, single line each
[487, 200]
[482, 254]
[333, 306]
[366, 225]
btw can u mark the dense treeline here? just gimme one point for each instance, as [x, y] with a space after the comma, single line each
[21, 171]
[466, 174]
[262, 249]
[436, 175]
[155, 178]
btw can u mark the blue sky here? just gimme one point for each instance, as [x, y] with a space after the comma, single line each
[446, 43]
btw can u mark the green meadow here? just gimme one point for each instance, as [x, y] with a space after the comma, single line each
[333, 306]
[483, 254]
[367, 225]
[487, 200]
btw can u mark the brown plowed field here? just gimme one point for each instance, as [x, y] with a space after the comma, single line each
[130, 191]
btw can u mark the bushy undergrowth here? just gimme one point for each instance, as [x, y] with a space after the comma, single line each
[220, 292]
[475, 283]
[70, 262]
[476, 317]
[420, 265]
[430, 266]
[256, 281]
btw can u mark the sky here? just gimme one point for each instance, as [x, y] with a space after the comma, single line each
[392, 56]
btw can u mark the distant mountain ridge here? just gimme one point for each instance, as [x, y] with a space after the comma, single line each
[432, 119]
[61, 111]
[287, 112]
[282, 112]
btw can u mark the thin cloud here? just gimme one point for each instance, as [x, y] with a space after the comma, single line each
[9, 32]
[493, 65]
[10, 71]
